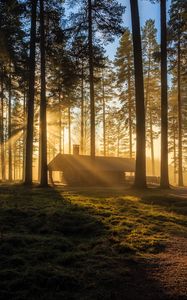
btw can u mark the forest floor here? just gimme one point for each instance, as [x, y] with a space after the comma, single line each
[92, 243]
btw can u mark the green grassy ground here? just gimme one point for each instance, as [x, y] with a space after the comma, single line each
[81, 243]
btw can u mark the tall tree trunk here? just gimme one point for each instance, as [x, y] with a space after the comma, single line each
[174, 148]
[118, 141]
[180, 169]
[43, 104]
[2, 131]
[91, 75]
[82, 111]
[85, 129]
[104, 115]
[69, 127]
[30, 103]
[148, 103]
[24, 129]
[60, 123]
[140, 173]
[63, 139]
[10, 127]
[19, 161]
[164, 177]
[152, 143]
[130, 109]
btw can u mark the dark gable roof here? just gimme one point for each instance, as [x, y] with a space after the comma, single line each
[61, 162]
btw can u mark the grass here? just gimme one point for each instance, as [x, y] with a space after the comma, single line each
[80, 243]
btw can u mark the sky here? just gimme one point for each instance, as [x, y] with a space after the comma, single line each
[147, 11]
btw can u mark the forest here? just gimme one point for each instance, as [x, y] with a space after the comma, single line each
[59, 87]
[93, 149]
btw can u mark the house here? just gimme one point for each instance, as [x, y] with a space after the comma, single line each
[85, 170]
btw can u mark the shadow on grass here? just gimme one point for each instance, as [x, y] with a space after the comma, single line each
[170, 202]
[55, 248]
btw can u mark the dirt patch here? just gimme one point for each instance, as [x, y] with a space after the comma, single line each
[169, 268]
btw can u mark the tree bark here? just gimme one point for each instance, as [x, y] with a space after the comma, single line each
[82, 110]
[130, 109]
[140, 172]
[2, 131]
[69, 128]
[10, 126]
[104, 116]
[148, 102]
[60, 123]
[152, 143]
[43, 104]
[164, 177]
[180, 169]
[91, 78]
[30, 103]
[174, 148]
[24, 129]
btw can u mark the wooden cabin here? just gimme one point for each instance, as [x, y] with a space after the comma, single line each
[81, 170]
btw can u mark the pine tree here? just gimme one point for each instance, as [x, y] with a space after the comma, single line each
[177, 38]
[164, 177]
[173, 130]
[125, 83]
[43, 103]
[104, 17]
[140, 173]
[15, 48]
[164, 174]
[151, 84]
[31, 96]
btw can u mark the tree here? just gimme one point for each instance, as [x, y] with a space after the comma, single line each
[164, 176]
[43, 104]
[125, 84]
[151, 85]
[30, 103]
[140, 173]
[173, 131]
[177, 28]
[2, 127]
[104, 17]
[12, 59]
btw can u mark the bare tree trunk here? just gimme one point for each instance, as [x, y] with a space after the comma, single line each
[63, 140]
[140, 174]
[174, 149]
[85, 130]
[30, 104]
[130, 109]
[43, 104]
[118, 140]
[24, 129]
[82, 111]
[69, 127]
[164, 178]
[19, 161]
[10, 127]
[2, 131]
[152, 143]
[148, 102]
[91, 75]
[60, 124]
[180, 169]
[104, 116]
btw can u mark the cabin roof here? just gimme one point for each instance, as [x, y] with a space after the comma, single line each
[63, 162]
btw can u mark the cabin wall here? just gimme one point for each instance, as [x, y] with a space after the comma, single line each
[85, 177]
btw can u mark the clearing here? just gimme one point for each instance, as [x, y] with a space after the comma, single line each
[92, 243]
